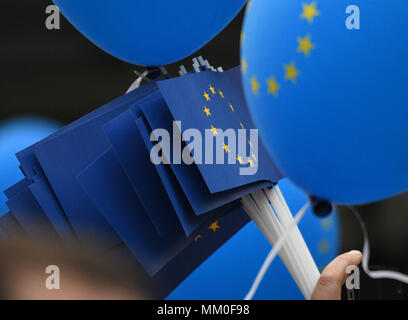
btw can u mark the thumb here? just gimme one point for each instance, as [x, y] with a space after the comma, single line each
[334, 275]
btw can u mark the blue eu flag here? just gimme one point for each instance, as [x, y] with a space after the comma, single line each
[94, 183]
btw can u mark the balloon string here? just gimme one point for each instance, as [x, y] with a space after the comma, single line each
[378, 274]
[274, 252]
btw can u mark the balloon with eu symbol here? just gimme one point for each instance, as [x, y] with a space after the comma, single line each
[326, 84]
[150, 32]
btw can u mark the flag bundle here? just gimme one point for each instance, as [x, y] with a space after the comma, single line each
[153, 179]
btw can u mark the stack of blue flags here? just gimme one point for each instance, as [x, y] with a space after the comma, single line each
[93, 183]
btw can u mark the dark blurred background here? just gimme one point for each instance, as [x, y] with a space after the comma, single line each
[60, 75]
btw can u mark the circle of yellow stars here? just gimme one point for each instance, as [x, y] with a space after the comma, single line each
[305, 46]
[208, 95]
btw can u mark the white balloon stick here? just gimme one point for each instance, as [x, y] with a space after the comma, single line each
[272, 234]
[270, 212]
[272, 254]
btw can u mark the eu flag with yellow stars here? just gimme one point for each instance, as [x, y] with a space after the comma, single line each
[94, 184]
[208, 102]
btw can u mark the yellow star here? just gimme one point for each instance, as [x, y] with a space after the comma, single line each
[214, 130]
[324, 246]
[214, 226]
[239, 158]
[242, 126]
[291, 73]
[231, 107]
[251, 162]
[212, 89]
[206, 96]
[309, 11]
[326, 223]
[254, 85]
[198, 237]
[305, 45]
[207, 111]
[250, 143]
[244, 65]
[221, 94]
[226, 148]
[273, 86]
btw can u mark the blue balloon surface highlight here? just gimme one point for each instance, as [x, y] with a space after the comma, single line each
[15, 135]
[230, 271]
[150, 32]
[330, 99]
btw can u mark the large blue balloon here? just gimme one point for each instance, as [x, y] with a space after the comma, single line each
[329, 99]
[15, 135]
[230, 271]
[150, 32]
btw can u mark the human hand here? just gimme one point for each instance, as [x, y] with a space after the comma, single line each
[334, 275]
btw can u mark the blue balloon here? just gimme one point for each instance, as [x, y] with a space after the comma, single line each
[326, 82]
[150, 32]
[230, 271]
[15, 135]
